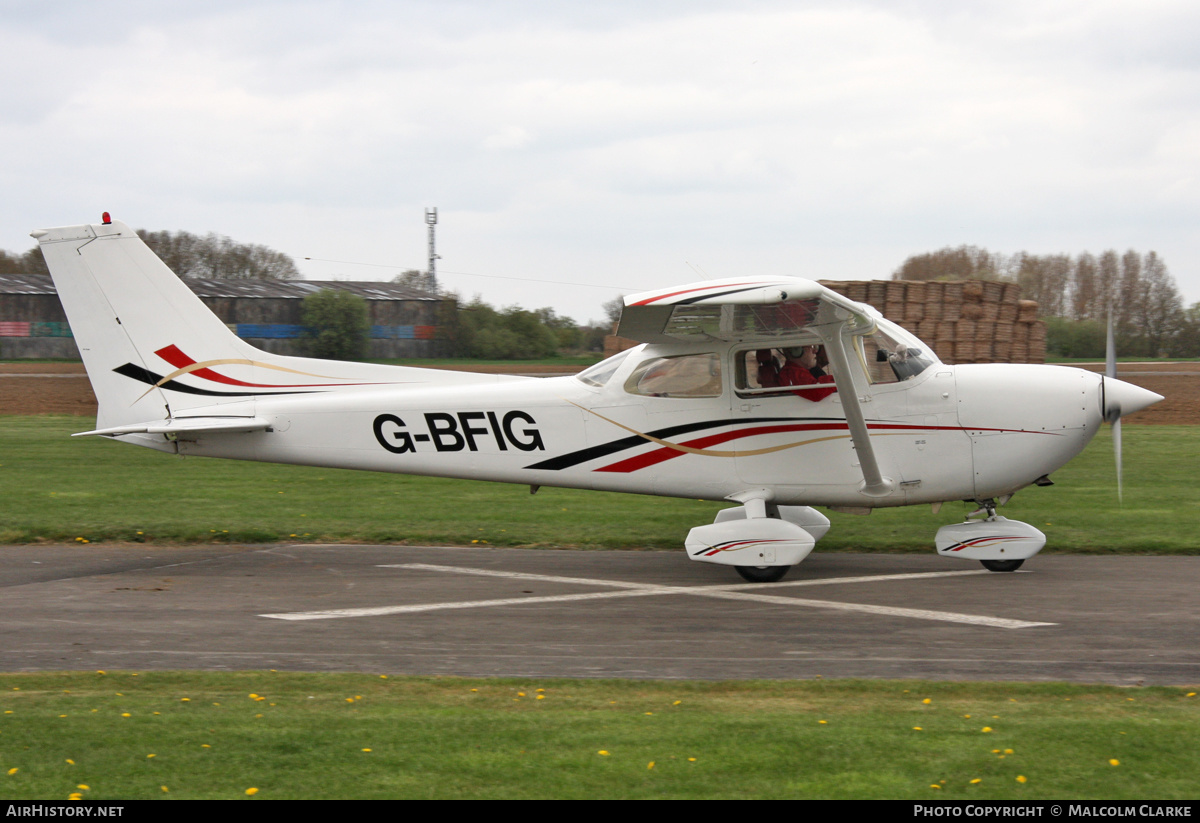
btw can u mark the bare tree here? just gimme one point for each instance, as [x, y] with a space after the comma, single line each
[218, 257]
[962, 263]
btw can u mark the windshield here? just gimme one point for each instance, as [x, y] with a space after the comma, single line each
[890, 354]
[600, 373]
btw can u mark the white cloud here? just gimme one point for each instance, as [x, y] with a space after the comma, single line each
[612, 142]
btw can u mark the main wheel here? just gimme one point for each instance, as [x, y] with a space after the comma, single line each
[763, 574]
[1002, 565]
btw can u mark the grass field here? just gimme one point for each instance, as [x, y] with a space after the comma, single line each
[286, 735]
[185, 735]
[55, 488]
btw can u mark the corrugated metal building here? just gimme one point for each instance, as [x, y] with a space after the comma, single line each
[265, 313]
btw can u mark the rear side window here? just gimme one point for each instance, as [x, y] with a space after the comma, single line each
[689, 375]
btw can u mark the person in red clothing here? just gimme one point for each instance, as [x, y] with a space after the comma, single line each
[803, 368]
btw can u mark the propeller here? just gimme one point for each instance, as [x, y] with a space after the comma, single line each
[1112, 410]
[1120, 398]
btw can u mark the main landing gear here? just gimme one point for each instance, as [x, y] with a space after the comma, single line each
[762, 574]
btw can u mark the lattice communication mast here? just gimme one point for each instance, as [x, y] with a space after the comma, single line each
[431, 283]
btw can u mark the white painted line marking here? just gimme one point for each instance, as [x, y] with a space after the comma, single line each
[629, 589]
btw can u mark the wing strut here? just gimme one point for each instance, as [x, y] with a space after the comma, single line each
[874, 483]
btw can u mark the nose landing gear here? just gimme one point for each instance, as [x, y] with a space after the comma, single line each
[1000, 544]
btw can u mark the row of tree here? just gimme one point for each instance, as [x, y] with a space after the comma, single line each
[1075, 295]
[211, 256]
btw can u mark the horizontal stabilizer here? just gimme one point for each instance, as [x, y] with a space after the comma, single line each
[186, 425]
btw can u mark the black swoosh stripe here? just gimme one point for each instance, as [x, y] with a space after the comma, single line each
[566, 461]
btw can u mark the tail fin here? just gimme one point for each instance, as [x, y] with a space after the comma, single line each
[153, 349]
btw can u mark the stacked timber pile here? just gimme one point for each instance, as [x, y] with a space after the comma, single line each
[966, 321]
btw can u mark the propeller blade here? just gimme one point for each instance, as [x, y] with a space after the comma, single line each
[1116, 432]
[1110, 350]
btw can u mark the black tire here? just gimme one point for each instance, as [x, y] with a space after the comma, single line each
[1002, 565]
[762, 574]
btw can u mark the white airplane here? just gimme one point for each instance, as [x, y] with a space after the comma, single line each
[689, 413]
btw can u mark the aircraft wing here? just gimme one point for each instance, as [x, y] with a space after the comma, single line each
[746, 310]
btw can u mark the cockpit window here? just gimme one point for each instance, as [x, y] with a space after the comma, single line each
[689, 375]
[599, 374]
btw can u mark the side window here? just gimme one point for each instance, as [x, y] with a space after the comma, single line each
[689, 375]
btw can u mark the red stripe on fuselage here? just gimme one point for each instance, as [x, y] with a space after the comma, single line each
[664, 453]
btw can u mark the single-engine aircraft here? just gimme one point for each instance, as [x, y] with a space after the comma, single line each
[703, 408]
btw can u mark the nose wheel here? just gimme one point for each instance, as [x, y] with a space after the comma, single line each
[1002, 565]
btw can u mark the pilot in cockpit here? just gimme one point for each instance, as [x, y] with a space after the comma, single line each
[805, 366]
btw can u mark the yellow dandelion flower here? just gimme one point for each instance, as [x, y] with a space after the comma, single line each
[366, 750]
[520, 694]
[349, 699]
[677, 702]
[649, 713]
[1114, 762]
[164, 788]
[602, 753]
[986, 729]
[541, 697]
[101, 671]
[977, 780]
[84, 787]
[205, 746]
[253, 696]
[62, 715]
[1021, 778]
[383, 677]
[126, 714]
[72, 762]
[185, 700]
[651, 765]
[917, 729]
[823, 722]
[13, 770]
[151, 755]
[474, 690]
[934, 786]
[1190, 694]
[74, 796]
[691, 760]
[541, 690]
[251, 791]
[927, 701]
[1008, 751]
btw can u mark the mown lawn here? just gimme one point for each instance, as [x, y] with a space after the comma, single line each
[273, 735]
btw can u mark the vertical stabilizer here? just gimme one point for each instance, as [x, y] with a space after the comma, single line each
[137, 325]
[153, 349]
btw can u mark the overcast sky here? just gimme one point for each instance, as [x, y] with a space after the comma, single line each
[616, 145]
